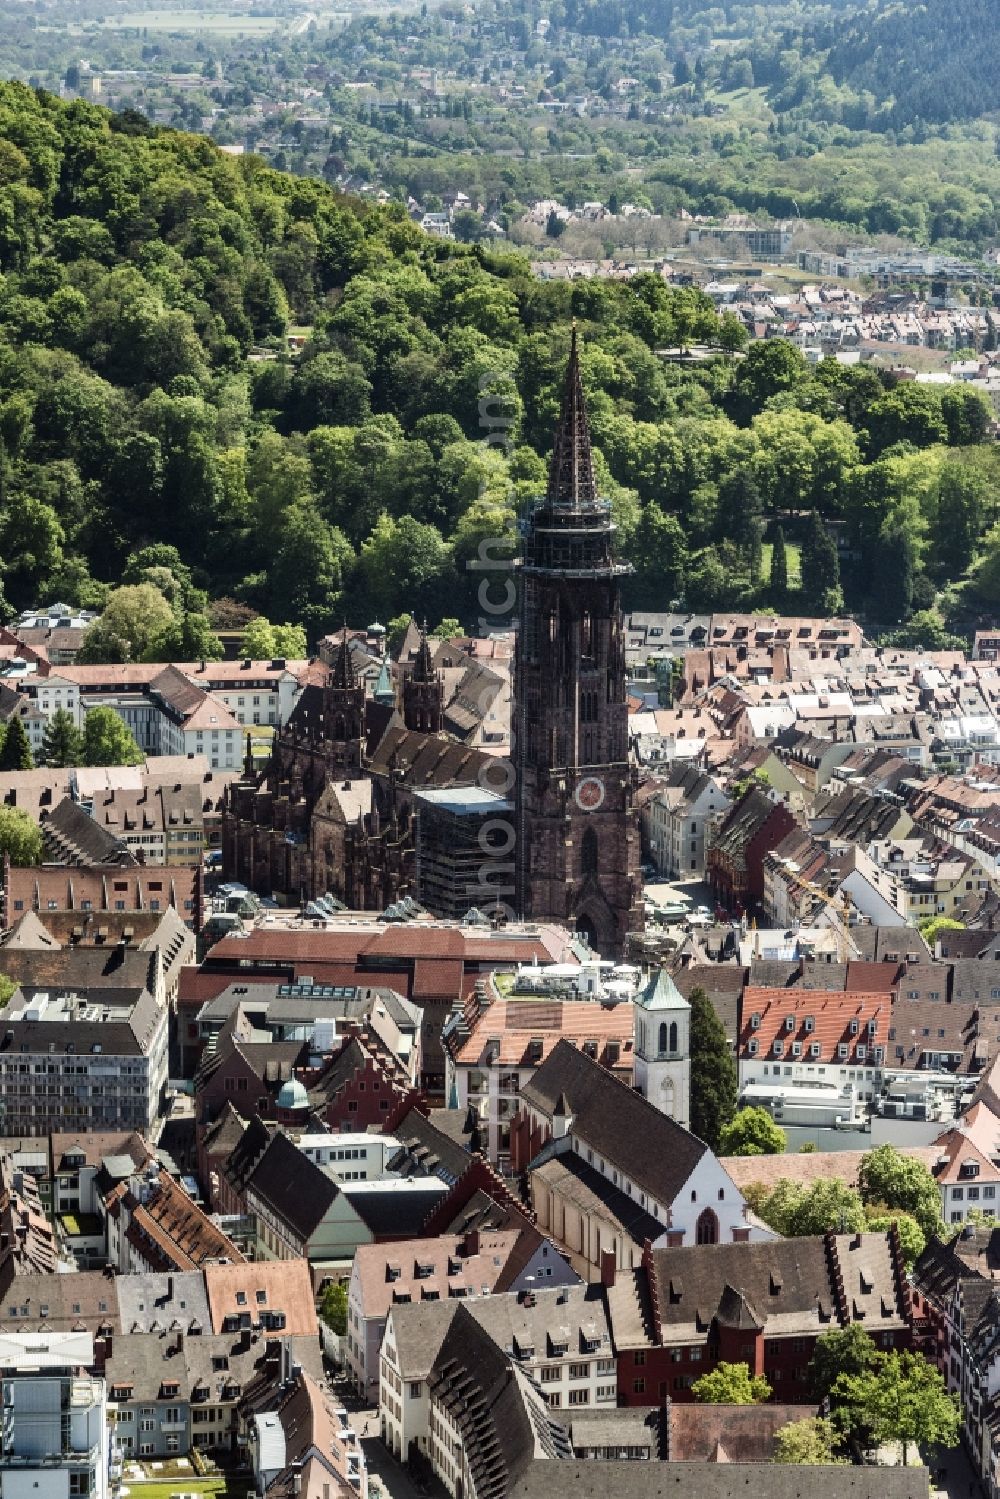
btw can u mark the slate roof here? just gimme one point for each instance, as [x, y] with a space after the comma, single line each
[72, 836]
[502, 1415]
[292, 1186]
[610, 1117]
[153, 1301]
[585, 1479]
[786, 1286]
[431, 1149]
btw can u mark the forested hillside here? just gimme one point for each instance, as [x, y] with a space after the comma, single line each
[932, 62]
[155, 427]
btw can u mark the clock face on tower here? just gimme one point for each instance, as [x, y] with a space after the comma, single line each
[590, 793]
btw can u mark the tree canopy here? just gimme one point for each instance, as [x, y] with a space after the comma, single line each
[713, 1072]
[752, 1132]
[731, 1384]
[107, 740]
[20, 839]
[164, 452]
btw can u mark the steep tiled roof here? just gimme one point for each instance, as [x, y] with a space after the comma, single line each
[263, 1286]
[170, 1231]
[789, 1285]
[608, 1115]
[508, 1028]
[453, 1265]
[802, 1020]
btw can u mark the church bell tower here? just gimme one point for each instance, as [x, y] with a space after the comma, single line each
[577, 844]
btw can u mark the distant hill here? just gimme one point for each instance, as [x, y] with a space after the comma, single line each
[936, 62]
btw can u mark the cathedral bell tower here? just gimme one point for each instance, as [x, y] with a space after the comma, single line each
[344, 715]
[423, 692]
[577, 843]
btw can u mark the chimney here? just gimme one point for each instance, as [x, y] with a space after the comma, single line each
[608, 1268]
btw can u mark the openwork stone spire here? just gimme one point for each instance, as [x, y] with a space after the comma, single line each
[571, 475]
[343, 669]
[423, 664]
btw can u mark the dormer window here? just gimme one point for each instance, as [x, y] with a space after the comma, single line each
[789, 1023]
[810, 1023]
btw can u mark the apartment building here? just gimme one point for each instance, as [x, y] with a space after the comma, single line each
[87, 1059]
[676, 818]
[54, 1441]
[449, 1268]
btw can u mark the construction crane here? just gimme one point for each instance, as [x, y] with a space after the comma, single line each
[846, 947]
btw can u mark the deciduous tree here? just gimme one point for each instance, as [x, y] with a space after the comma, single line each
[731, 1384]
[811, 1441]
[107, 740]
[20, 839]
[752, 1132]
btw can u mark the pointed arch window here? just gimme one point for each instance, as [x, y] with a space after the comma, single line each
[662, 1045]
[673, 1036]
[707, 1228]
[588, 852]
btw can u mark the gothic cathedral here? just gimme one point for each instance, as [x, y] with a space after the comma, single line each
[577, 848]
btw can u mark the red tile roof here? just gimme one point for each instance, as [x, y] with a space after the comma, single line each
[808, 1018]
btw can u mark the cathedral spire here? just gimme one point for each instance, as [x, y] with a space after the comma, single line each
[571, 473]
[343, 668]
[423, 665]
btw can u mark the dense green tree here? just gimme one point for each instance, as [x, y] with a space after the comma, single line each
[849, 1350]
[731, 1384]
[16, 751]
[771, 367]
[889, 1179]
[107, 740]
[62, 743]
[912, 1239]
[752, 1132]
[263, 641]
[795, 1210]
[20, 839]
[962, 498]
[812, 1441]
[132, 616]
[901, 1399]
[820, 568]
[893, 602]
[713, 1072]
[333, 1307]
